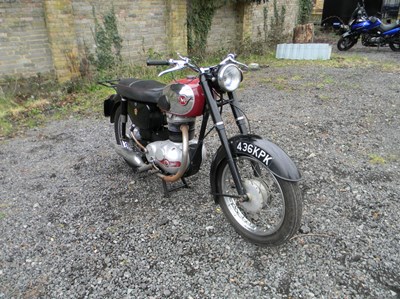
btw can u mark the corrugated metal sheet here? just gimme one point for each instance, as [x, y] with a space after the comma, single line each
[304, 51]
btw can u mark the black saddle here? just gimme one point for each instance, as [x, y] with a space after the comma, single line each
[142, 91]
[388, 27]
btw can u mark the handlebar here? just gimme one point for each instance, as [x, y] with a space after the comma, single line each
[184, 62]
[158, 62]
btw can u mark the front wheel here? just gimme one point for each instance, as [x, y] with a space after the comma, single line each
[272, 213]
[345, 43]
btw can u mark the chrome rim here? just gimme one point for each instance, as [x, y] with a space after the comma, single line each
[119, 130]
[263, 213]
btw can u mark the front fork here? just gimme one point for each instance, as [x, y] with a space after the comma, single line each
[239, 117]
[219, 125]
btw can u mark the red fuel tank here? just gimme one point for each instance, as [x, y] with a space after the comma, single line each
[185, 98]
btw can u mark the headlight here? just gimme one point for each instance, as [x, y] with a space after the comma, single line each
[229, 77]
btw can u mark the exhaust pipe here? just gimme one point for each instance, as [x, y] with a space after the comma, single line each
[185, 157]
[132, 158]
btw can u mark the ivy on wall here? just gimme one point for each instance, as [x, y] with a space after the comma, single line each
[305, 9]
[108, 41]
[199, 20]
[273, 29]
[276, 32]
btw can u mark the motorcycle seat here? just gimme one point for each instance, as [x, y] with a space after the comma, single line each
[142, 91]
[388, 27]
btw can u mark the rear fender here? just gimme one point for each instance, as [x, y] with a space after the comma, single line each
[271, 155]
[393, 31]
[111, 105]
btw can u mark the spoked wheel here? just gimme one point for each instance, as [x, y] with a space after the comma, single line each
[346, 43]
[272, 214]
[124, 141]
[118, 126]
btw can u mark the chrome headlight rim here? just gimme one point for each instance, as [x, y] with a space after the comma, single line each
[229, 77]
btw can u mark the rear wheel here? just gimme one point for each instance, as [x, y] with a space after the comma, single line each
[395, 45]
[124, 141]
[118, 126]
[272, 213]
[345, 43]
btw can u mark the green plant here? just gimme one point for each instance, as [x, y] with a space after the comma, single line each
[199, 20]
[265, 25]
[276, 30]
[200, 15]
[108, 41]
[305, 9]
[274, 33]
[376, 159]
[248, 47]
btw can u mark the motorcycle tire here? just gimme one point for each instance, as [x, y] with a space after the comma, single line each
[272, 214]
[118, 134]
[118, 125]
[345, 43]
[395, 46]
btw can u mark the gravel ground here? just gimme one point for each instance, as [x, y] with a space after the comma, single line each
[77, 223]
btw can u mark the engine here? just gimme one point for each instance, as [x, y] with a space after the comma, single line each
[165, 154]
[372, 40]
[168, 155]
[181, 103]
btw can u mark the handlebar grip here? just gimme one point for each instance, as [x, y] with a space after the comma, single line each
[157, 62]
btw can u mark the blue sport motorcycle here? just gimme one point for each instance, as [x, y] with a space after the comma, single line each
[372, 31]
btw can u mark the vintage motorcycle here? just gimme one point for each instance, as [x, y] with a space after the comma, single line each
[371, 29]
[252, 179]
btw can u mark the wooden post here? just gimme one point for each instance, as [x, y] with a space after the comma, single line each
[303, 34]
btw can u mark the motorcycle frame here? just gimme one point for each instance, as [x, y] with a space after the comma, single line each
[277, 161]
[211, 108]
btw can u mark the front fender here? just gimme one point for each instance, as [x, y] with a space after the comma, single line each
[347, 33]
[355, 35]
[271, 155]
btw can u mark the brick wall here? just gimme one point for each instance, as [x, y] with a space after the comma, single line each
[223, 32]
[318, 6]
[62, 38]
[42, 36]
[141, 24]
[235, 23]
[24, 43]
[259, 12]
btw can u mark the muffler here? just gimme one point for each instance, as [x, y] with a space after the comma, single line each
[132, 158]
